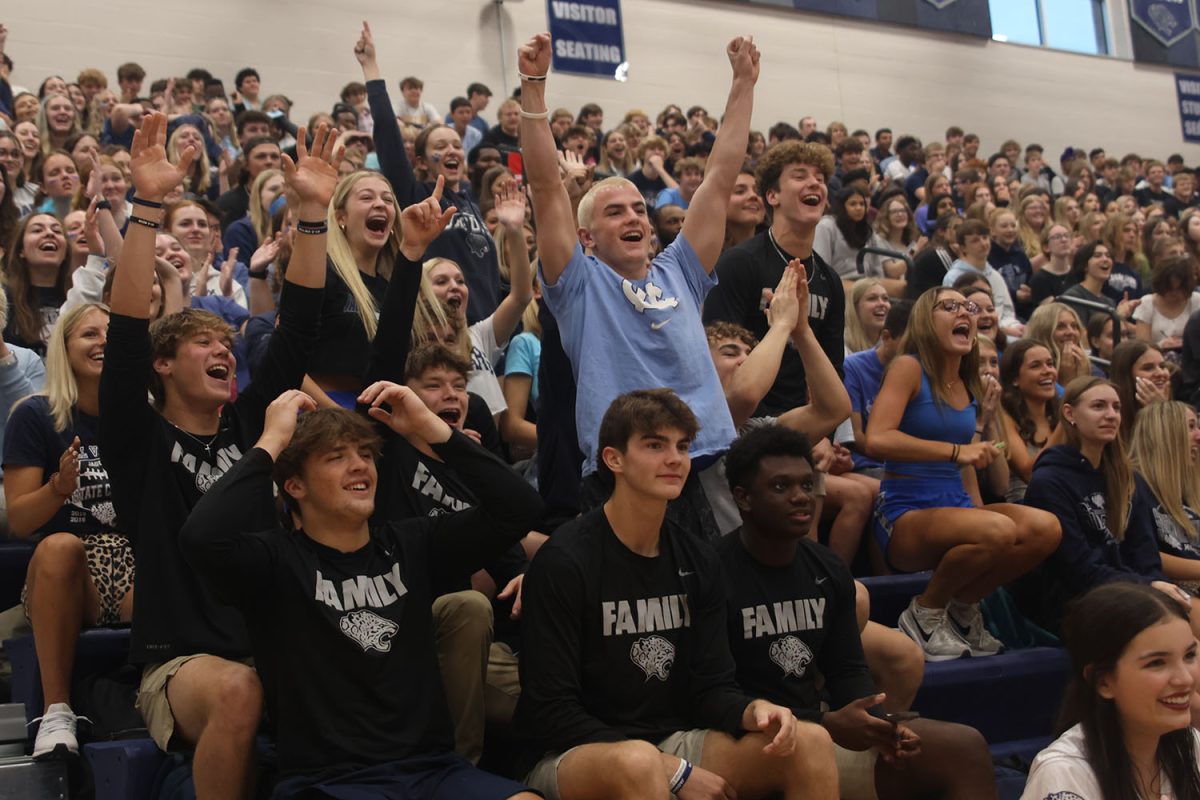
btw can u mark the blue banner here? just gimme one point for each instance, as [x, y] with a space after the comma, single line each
[1187, 89]
[970, 17]
[587, 38]
[1165, 32]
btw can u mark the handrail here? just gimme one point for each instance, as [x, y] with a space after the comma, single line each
[1092, 305]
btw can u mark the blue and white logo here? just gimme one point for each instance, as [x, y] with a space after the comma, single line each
[1168, 21]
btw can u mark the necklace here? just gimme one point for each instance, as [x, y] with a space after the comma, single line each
[775, 244]
[951, 384]
[206, 445]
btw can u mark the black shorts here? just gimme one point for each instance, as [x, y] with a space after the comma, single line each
[444, 777]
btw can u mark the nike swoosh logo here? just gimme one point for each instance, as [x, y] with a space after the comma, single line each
[657, 326]
[821, 580]
[684, 574]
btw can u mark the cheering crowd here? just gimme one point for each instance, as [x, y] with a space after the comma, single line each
[555, 445]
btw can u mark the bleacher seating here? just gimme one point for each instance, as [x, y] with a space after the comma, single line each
[14, 559]
[99, 650]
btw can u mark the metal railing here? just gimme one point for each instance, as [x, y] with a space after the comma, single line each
[1092, 305]
[880, 251]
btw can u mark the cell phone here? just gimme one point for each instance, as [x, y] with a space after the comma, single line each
[901, 716]
[516, 165]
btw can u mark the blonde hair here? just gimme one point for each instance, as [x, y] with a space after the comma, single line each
[1030, 239]
[584, 215]
[260, 219]
[1159, 451]
[856, 335]
[1044, 321]
[342, 257]
[47, 143]
[61, 389]
[200, 176]
[431, 319]
[1114, 464]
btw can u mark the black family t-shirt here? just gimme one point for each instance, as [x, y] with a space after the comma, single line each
[787, 624]
[622, 646]
[344, 641]
[30, 440]
[743, 272]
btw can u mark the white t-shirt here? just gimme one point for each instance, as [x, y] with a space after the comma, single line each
[1062, 772]
[1162, 326]
[482, 380]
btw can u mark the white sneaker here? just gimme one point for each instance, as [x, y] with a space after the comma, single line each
[929, 628]
[968, 623]
[56, 734]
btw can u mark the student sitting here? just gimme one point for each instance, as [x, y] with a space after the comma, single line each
[771, 563]
[864, 377]
[349, 670]
[1163, 450]
[924, 426]
[1030, 397]
[974, 245]
[630, 693]
[1107, 525]
[1126, 716]
[196, 687]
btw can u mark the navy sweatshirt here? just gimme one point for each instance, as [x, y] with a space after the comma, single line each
[1065, 484]
[465, 241]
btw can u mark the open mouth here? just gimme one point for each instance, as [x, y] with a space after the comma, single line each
[97, 356]
[451, 416]
[360, 487]
[632, 236]
[218, 371]
[49, 246]
[377, 223]
[452, 163]
[454, 301]
[176, 261]
[812, 200]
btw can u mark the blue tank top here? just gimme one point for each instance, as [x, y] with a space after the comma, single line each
[924, 418]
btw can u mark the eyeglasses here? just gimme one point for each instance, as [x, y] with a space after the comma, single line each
[900, 212]
[1058, 237]
[952, 306]
[10, 153]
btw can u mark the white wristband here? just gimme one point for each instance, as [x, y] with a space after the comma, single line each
[535, 114]
[533, 78]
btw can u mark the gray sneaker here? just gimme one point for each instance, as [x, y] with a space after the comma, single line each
[967, 621]
[930, 629]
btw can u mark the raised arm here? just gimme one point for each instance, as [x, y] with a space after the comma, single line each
[510, 213]
[153, 177]
[312, 178]
[828, 400]
[556, 233]
[393, 160]
[758, 372]
[704, 226]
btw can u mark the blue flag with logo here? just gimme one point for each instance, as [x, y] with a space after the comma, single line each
[587, 38]
[1187, 89]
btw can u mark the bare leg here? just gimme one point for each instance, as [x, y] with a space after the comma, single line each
[897, 664]
[961, 545]
[810, 772]
[62, 599]
[217, 706]
[862, 605]
[631, 770]
[1038, 535]
[850, 503]
[954, 764]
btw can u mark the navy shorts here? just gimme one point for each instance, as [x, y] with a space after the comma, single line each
[898, 496]
[442, 777]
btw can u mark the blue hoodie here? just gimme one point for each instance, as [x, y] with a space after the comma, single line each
[1066, 484]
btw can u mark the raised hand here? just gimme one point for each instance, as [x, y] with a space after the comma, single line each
[577, 176]
[66, 480]
[743, 57]
[91, 229]
[226, 280]
[364, 48]
[784, 309]
[1147, 393]
[94, 179]
[533, 57]
[266, 253]
[280, 422]
[510, 206]
[424, 221]
[314, 174]
[200, 284]
[153, 175]
[409, 416]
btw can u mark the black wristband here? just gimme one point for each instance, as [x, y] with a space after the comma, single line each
[147, 203]
[103, 204]
[312, 228]
[258, 274]
[143, 221]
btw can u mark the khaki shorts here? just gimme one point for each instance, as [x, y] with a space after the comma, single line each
[688, 745]
[856, 773]
[152, 700]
